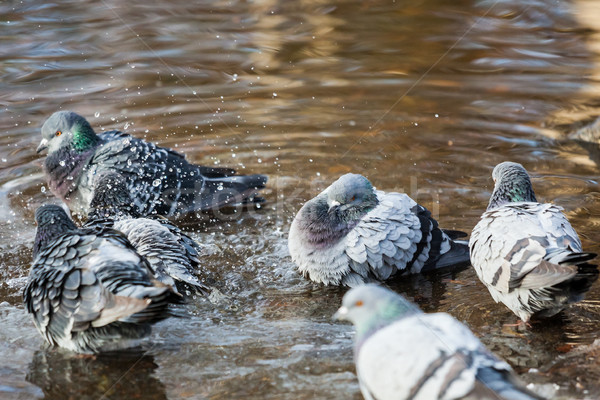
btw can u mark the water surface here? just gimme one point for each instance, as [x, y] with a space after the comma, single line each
[423, 97]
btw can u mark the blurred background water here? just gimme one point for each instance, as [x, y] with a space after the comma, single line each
[420, 96]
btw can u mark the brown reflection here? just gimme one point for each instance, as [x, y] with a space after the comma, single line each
[124, 375]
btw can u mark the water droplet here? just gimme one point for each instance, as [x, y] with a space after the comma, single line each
[4, 160]
[126, 125]
[156, 182]
[274, 94]
[43, 189]
[259, 161]
[62, 163]
[220, 187]
[96, 114]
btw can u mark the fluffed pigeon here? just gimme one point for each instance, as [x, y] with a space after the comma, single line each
[162, 180]
[351, 234]
[527, 253]
[172, 254]
[402, 353]
[88, 290]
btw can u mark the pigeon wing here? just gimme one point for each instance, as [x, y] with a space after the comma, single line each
[386, 239]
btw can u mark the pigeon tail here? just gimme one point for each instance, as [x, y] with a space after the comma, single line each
[231, 190]
[457, 257]
[443, 251]
[576, 287]
[504, 384]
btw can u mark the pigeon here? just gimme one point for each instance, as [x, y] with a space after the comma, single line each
[352, 234]
[173, 255]
[162, 180]
[88, 289]
[527, 253]
[402, 353]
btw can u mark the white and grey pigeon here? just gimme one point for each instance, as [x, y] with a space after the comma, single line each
[402, 353]
[173, 255]
[162, 180]
[527, 253]
[351, 234]
[88, 289]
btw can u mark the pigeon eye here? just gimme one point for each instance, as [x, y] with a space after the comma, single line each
[359, 303]
[58, 133]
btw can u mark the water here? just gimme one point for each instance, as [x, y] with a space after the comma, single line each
[423, 97]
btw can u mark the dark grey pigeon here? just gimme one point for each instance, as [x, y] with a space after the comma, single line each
[172, 254]
[160, 179]
[527, 253]
[88, 289]
[402, 353]
[351, 234]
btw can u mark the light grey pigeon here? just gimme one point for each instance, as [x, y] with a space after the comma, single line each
[527, 253]
[351, 234]
[88, 290]
[173, 255]
[160, 179]
[402, 353]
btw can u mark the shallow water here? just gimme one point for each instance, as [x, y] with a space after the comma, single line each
[422, 97]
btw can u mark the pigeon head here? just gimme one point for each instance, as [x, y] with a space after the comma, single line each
[512, 184]
[371, 307]
[111, 197]
[67, 129]
[52, 221]
[351, 197]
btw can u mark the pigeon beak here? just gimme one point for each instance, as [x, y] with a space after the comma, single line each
[341, 313]
[43, 146]
[333, 205]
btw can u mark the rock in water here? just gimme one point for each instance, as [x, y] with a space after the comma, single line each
[172, 254]
[351, 234]
[402, 353]
[162, 181]
[526, 253]
[88, 290]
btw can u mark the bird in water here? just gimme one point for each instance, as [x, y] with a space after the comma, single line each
[402, 353]
[527, 253]
[173, 255]
[162, 181]
[88, 289]
[351, 234]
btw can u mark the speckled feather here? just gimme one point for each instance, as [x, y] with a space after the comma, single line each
[162, 180]
[89, 291]
[396, 236]
[173, 255]
[526, 253]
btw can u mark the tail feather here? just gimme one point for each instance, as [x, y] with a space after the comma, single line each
[577, 258]
[576, 287]
[457, 257]
[500, 384]
[452, 234]
[443, 250]
[231, 190]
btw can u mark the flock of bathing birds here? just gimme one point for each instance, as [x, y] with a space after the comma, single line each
[102, 285]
